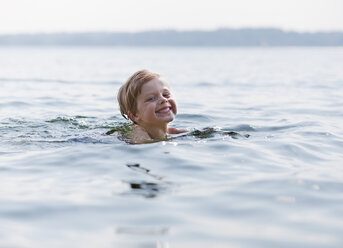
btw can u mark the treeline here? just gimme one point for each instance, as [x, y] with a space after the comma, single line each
[220, 37]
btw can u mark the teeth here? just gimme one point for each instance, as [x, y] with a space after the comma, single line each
[163, 110]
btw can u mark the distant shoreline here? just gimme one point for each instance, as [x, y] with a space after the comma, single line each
[218, 38]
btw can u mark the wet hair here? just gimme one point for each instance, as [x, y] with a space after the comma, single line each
[128, 92]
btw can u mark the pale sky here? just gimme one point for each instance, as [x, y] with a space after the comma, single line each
[34, 16]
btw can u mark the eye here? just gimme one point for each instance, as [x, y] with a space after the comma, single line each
[166, 94]
[151, 98]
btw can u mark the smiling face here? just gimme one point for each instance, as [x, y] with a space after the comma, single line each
[155, 105]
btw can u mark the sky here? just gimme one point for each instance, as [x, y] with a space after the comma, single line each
[48, 16]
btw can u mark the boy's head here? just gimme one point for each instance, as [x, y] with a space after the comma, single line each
[134, 103]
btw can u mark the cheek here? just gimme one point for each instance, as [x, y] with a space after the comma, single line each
[173, 106]
[149, 110]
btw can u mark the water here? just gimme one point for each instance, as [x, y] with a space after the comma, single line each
[263, 166]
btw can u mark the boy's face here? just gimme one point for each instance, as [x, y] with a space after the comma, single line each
[155, 105]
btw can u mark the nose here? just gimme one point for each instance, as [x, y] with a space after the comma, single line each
[163, 99]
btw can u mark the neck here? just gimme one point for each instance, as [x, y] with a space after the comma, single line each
[156, 132]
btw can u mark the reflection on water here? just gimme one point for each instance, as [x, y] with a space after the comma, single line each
[147, 189]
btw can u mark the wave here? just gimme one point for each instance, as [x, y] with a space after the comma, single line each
[60, 81]
[85, 122]
[108, 130]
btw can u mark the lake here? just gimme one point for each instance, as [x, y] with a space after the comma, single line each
[262, 165]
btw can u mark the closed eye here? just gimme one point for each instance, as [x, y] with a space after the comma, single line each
[166, 94]
[149, 99]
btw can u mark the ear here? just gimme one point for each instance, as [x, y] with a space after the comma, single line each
[132, 117]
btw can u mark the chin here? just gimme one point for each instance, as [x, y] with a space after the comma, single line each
[170, 120]
[167, 119]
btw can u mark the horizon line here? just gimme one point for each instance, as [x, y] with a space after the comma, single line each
[173, 30]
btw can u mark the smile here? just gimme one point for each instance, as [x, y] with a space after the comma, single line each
[163, 110]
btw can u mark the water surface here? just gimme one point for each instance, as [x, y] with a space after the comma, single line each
[261, 167]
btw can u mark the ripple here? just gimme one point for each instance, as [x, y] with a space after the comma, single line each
[142, 230]
[15, 104]
[241, 128]
[60, 81]
[284, 127]
[194, 117]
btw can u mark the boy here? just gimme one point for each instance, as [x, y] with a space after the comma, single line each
[146, 100]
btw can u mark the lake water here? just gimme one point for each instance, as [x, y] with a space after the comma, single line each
[262, 167]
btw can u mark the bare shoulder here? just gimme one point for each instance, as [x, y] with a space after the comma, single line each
[173, 130]
[139, 136]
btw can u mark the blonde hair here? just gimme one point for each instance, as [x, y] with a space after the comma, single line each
[128, 92]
